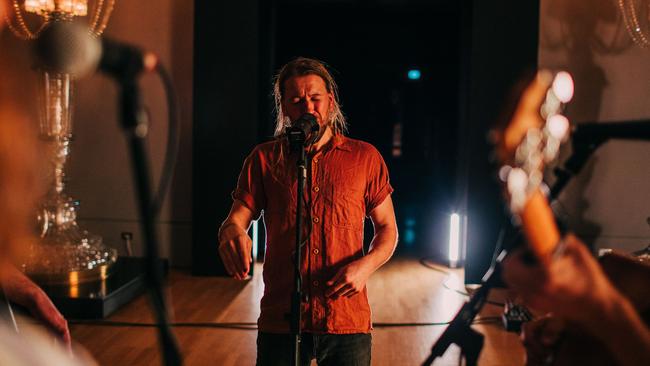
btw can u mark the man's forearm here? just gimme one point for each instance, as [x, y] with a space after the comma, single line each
[230, 228]
[233, 227]
[238, 221]
[625, 334]
[382, 247]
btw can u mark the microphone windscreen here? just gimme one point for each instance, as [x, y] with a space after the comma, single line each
[67, 47]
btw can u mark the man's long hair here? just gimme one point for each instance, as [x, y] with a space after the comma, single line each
[302, 66]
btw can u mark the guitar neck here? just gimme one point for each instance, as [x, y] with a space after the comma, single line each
[539, 226]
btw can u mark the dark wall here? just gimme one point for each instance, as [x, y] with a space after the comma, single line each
[226, 115]
[500, 43]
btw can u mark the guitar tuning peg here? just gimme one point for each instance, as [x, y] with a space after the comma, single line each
[563, 86]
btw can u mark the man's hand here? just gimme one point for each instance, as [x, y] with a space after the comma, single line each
[22, 291]
[573, 286]
[349, 280]
[352, 278]
[235, 250]
[234, 243]
[540, 338]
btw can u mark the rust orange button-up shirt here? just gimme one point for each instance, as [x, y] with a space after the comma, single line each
[346, 180]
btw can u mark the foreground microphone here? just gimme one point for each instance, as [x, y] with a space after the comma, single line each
[303, 132]
[68, 47]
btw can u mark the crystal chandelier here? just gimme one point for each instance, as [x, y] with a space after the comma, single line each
[636, 16]
[72, 7]
[65, 253]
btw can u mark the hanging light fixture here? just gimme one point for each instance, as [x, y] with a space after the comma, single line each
[636, 16]
[54, 10]
[65, 251]
[71, 7]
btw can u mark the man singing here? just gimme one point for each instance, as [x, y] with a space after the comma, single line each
[347, 180]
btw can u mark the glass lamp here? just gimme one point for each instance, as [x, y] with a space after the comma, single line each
[65, 253]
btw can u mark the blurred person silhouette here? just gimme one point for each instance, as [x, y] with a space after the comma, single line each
[19, 189]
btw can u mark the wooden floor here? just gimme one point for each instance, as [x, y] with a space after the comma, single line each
[403, 291]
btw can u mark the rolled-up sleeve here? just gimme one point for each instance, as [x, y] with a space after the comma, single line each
[378, 187]
[250, 187]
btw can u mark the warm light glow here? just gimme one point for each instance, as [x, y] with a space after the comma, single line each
[73, 279]
[563, 86]
[558, 126]
[39, 6]
[80, 8]
[504, 171]
[71, 7]
[103, 272]
[454, 239]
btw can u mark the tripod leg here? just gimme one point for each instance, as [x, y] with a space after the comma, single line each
[471, 346]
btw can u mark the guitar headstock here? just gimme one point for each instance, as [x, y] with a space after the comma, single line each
[530, 141]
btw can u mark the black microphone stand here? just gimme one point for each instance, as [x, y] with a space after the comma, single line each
[298, 145]
[134, 122]
[459, 330]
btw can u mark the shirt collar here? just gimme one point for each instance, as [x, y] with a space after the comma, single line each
[341, 143]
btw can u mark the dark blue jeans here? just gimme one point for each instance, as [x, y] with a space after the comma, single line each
[328, 349]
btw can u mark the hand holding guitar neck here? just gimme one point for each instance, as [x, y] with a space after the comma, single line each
[566, 281]
[525, 146]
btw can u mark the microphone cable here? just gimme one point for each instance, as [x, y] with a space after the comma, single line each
[173, 139]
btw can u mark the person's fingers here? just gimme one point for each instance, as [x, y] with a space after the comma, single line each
[228, 261]
[353, 291]
[335, 284]
[243, 246]
[235, 258]
[343, 289]
[224, 259]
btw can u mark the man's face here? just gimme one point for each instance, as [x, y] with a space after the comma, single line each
[307, 94]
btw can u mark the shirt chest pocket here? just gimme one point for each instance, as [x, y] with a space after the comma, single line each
[346, 203]
[281, 201]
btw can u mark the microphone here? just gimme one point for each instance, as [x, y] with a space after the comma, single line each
[597, 133]
[303, 132]
[588, 137]
[68, 47]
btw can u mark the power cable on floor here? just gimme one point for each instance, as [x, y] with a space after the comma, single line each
[423, 261]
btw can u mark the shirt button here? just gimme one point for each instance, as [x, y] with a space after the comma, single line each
[316, 189]
[315, 283]
[315, 220]
[316, 251]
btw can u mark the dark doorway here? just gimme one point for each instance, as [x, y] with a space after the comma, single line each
[398, 69]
